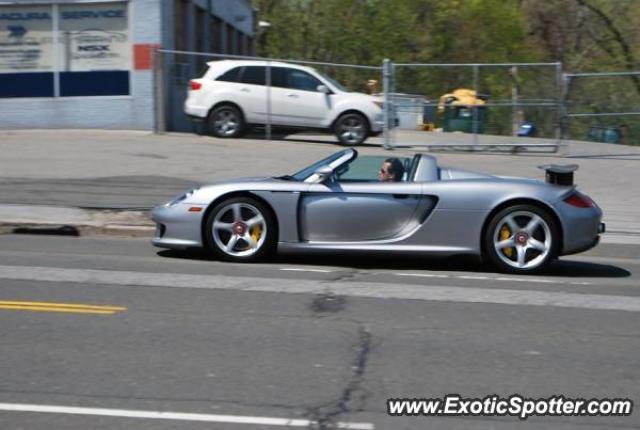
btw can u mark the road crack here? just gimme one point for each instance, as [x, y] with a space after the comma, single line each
[353, 396]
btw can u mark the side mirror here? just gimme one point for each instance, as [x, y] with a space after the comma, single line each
[323, 89]
[322, 173]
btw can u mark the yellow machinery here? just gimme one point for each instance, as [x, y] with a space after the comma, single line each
[460, 97]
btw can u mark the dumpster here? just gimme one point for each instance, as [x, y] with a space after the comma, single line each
[468, 119]
[463, 110]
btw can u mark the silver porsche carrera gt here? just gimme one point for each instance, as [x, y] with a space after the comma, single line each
[373, 204]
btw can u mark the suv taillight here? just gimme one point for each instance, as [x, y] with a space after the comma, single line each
[580, 200]
[195, 85]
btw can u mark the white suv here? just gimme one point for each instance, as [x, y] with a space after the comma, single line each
[233, 94]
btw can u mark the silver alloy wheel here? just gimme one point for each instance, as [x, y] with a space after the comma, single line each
[226, 122]
[352, 130]
[239, 229]
[529, 240]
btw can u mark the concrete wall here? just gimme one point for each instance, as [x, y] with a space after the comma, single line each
[111, 112]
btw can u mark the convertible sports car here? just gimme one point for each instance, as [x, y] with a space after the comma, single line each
[344, 203]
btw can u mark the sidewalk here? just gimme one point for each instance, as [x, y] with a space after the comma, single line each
[47, 175]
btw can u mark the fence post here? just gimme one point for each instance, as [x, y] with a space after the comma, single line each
[564, 111]
[268, 82]
[476, 70]
[386, 99]
[159, 125]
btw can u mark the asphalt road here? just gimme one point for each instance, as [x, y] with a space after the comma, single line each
[126, 331]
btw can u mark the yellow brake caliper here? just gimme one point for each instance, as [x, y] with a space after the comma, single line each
[505, 234]
[256, 232]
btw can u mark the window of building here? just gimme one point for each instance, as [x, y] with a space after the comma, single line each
[94, 55]
[216, 35]
[230, 40]
[26, 51]
[89, 55]
[180, 24]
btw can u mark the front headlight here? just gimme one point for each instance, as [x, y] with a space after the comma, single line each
[180, 198]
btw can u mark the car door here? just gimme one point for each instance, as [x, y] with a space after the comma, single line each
[251, 93]
[296, 100]
[358, 212]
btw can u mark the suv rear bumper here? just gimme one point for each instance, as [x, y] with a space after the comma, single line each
[196, 112]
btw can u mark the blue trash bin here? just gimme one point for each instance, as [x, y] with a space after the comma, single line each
[527, 129]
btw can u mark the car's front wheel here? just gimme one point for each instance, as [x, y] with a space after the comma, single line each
[521, 239]
[352, 129]
[226, 121]
[240, 229]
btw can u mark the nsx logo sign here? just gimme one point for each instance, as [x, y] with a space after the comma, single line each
[93, 48]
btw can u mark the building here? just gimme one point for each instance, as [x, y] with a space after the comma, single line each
[88, 64]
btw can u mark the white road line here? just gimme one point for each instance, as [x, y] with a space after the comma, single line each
[457, 294]
[539, 281]
[422, 275]
[296, 269]
[180, 416]
[488, 278]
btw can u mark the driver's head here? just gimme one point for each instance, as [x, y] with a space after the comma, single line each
[391, 170]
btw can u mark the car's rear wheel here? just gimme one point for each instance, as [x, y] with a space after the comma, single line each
[226, 121]
[240, 229]
[352, 129]
[521, 239]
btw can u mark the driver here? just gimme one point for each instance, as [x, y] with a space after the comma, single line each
[391, 170]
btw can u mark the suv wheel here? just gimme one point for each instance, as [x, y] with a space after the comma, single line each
[226, 121]
[352, 129]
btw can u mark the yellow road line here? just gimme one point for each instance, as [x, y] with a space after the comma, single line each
[60, 307]
[64, 305]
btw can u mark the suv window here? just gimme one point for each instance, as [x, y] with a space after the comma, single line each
[230, 75]
[299, 80]
[279, 77]
[254, 75]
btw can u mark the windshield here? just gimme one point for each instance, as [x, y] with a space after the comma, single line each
[333, 82]
[308, 171]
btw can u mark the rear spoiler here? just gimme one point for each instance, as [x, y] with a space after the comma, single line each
[559, 174]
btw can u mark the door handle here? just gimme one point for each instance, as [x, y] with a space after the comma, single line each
[293, 96]
[245, 90]
[401, 196]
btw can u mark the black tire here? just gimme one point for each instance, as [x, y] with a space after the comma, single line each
[218, 237]
[351, 129]
[226, 121]
[531, 251]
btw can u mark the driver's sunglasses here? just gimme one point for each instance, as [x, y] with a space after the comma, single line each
[386, 172]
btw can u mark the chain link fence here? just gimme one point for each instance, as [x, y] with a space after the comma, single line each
[507, 106]
[602, 107]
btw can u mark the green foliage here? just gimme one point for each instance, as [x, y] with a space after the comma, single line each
[585, 35]
[367, 31]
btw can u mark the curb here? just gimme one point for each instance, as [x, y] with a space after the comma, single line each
[53, 229]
